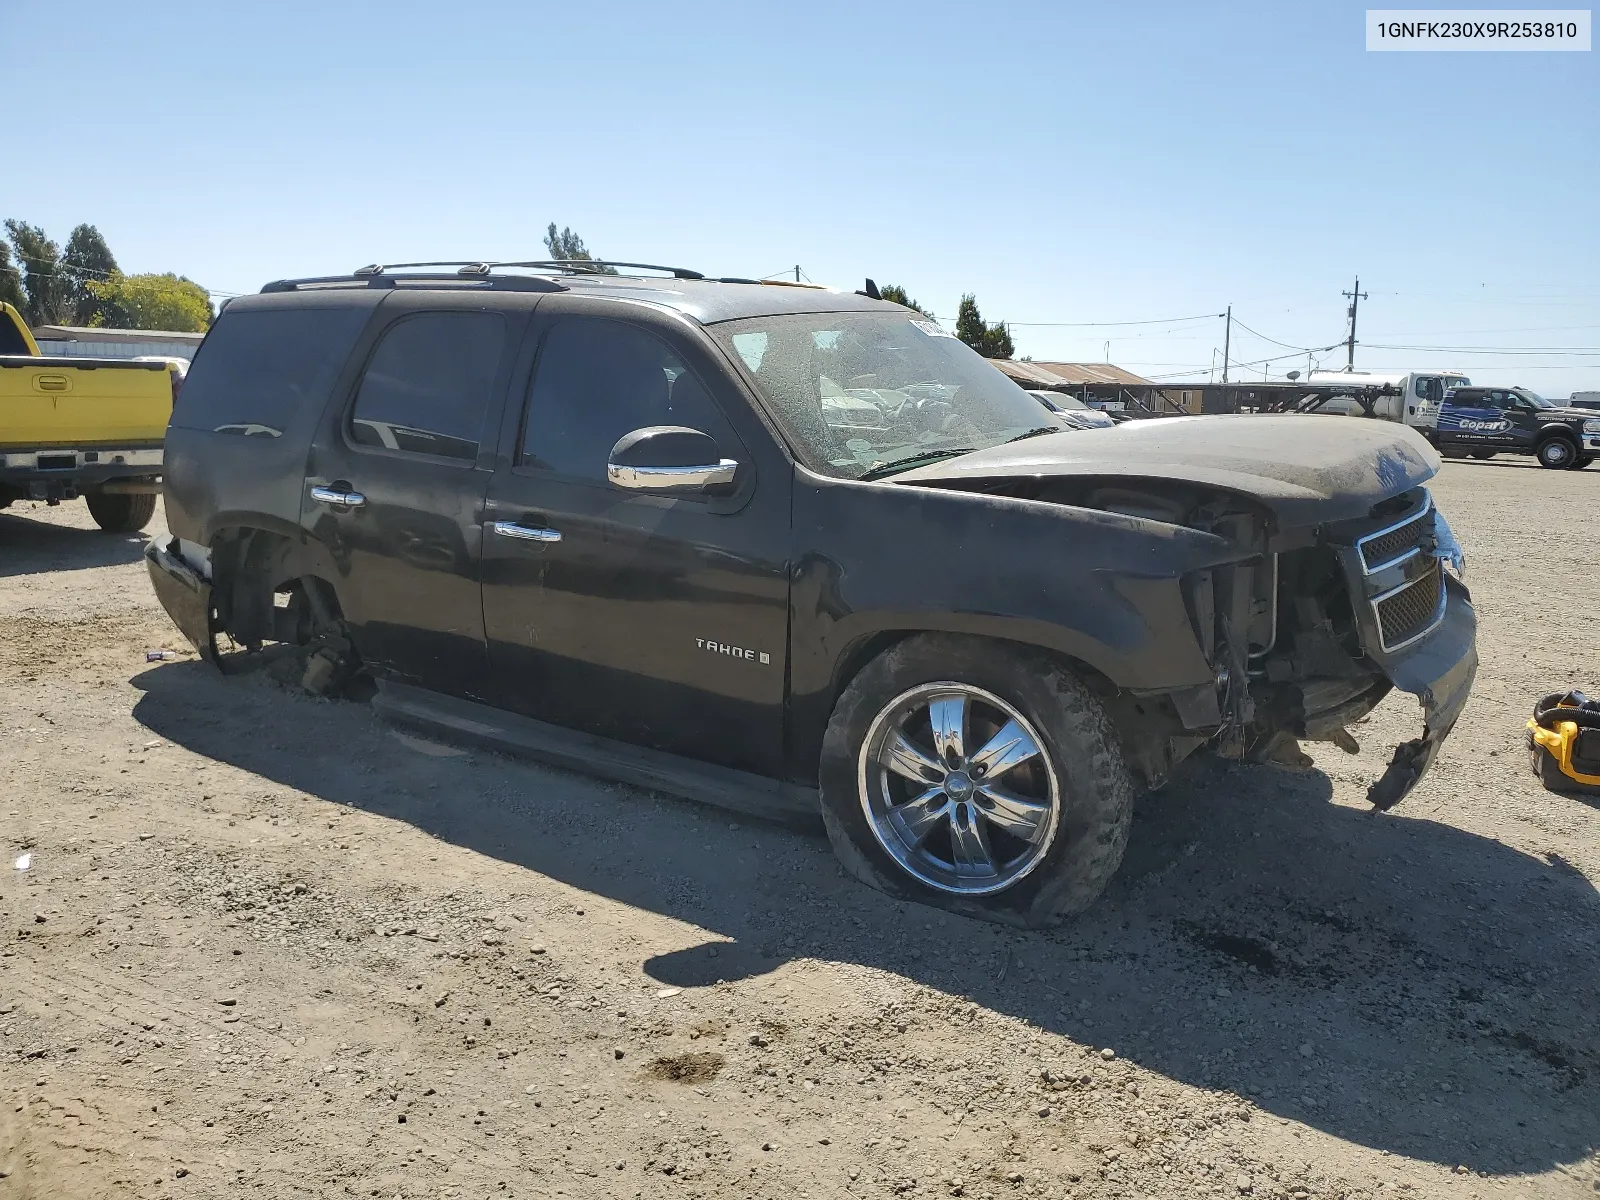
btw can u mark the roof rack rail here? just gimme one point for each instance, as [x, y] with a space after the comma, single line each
[572, 266]
[387, 274]
[592, 266]
[370, 278]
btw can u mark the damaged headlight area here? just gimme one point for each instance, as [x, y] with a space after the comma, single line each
[1309, 634]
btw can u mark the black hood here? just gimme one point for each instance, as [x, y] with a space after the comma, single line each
[1306, 469]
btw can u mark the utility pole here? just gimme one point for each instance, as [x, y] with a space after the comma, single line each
[1355, 298]
[1227, 342]
[797, 273]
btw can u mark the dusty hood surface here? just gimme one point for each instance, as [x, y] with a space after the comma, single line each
[1304, 468]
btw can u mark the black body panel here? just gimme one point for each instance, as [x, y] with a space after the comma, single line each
[229, 465]
[1304, 471]
[407, 560]
[1098, 587]
[606, 758]
[626, 627]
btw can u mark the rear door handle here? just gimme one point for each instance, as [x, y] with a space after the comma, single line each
[337, 498]
[527, 533]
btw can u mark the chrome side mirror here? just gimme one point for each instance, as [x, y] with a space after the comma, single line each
[668, 458]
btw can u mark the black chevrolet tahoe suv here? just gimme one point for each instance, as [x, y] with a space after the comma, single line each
[794, 550]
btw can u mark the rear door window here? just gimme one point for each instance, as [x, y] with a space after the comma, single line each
[429, 383]
[259, 368]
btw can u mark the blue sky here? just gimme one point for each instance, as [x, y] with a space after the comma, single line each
[1070, 164]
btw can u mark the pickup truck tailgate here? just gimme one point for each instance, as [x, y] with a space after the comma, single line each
[75, 401]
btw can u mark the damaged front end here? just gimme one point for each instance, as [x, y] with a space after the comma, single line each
[1310, 635]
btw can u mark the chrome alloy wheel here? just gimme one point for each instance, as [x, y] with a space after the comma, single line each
[961, 820]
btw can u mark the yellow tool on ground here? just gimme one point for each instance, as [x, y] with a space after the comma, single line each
[1564, 742]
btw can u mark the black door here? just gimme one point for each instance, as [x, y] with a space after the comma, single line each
[395, 488]
[655, 619]
[1523, 419]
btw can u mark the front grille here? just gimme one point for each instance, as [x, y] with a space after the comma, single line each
[1411, 610]
[1394, 544]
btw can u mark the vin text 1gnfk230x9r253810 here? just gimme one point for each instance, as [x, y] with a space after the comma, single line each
[795, 550]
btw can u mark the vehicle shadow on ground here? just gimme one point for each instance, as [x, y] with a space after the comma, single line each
[1394, 981]
[34, 547]
[1519, 463]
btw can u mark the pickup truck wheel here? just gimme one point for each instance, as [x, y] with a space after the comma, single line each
[1452, 452]
[1483, 455]
[1556, 453]
[1579, 464]
[121, 514]
[976, 777]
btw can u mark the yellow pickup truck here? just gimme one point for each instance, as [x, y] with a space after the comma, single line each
[89, 427]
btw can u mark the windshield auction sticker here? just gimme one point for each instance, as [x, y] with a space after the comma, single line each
[1477, 29]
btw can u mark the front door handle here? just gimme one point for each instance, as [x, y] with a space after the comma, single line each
[337, 498]
[527, 533]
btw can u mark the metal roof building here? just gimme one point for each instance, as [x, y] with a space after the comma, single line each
[1100, 384]
[82, 341]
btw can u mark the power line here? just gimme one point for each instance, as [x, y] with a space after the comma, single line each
[1107, 324]
[1581, 351]
[65, 267]
[1287, 345]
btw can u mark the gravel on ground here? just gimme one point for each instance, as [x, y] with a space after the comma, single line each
[258, 943]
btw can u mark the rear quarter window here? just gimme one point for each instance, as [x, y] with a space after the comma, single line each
[259, 368]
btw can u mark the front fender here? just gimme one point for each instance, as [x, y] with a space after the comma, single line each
[1101, 588]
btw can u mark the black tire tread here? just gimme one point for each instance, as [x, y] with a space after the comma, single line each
[1561, 466]
[121, 514]
[1098, 789]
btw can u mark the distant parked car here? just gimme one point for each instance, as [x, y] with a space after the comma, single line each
[1072, 411]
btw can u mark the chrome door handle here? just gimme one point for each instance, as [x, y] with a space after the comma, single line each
[512, 530]
[328, 495]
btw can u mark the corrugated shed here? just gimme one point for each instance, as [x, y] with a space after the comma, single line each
[1029, 374]
[1077, 374]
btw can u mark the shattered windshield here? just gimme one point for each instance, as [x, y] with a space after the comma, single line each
[869, 394]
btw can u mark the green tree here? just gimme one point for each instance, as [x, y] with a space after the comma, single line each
[42, 281]
[895, 292]
[152, 302]
[87, 260]
[11, 281]
[991, 341]
[568, 246]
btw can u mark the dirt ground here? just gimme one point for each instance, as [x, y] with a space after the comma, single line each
[266, 946]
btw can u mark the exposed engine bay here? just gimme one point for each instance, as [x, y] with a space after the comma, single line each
[1307, 632]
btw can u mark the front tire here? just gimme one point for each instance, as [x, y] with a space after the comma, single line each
[1483, 455]
[1557, 454]
[121, 514]
[978, 777]
[1453, 452]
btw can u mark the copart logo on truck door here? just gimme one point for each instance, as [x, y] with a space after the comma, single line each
[1479, 425]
